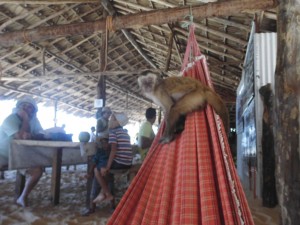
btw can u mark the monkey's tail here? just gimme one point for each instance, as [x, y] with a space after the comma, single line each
[217, 103]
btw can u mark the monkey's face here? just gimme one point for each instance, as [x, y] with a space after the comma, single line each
[147, 82]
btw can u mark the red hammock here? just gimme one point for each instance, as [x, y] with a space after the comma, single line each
[192, 180]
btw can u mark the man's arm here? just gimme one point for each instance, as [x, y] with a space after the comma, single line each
[24, 131]
[15, 127]
[146, 142]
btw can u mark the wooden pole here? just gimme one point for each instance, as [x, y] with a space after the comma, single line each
[76, 75]
[134, 21]
[170, 47]
[44, 63]
[56, 175]
[55, 113]
[101, 87]
[46, 2]
[110, 9]
[287, 107]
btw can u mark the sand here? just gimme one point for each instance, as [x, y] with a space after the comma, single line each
[72, 203]
[41, 211]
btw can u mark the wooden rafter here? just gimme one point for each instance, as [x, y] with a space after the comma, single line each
[170, 47]
[218, 33]
[201, 39]
[134, 21]
[109, 8]
[47, 2]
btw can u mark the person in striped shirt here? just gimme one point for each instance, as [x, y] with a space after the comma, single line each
[120, 156]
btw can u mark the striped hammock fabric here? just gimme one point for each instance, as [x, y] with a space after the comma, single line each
[191, 180]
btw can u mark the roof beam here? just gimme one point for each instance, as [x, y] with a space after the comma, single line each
[43, 97]
[134, 21]
[46, 2]
[109, 8]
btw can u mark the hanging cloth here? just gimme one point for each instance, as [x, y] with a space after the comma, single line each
[192, 180]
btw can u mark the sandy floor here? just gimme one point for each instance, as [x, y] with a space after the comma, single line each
[72, 203]
[41, 211]
[262, 215]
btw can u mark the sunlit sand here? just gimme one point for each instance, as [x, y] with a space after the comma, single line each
[72, 203]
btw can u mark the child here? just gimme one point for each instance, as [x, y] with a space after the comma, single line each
[120, 156]
[99, 160]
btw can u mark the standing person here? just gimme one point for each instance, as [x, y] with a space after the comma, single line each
[102, 122]
[120, 156]
[146, 134]
[99, 160]
[21, 124]
[93, 189]
[93, 135]
[101, 132]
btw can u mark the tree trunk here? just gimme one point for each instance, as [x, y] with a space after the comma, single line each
[287, 84]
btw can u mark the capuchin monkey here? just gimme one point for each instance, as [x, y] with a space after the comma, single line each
[178, 96]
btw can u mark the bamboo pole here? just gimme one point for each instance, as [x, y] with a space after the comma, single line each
[170, 46]
[74, 75]
[134, 21]
[46, 2]
[110, 9]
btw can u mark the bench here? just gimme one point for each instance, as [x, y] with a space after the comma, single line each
[128, 173]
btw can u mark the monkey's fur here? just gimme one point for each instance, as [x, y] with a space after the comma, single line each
[178, 96]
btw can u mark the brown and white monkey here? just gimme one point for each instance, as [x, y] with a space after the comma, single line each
[178, 96]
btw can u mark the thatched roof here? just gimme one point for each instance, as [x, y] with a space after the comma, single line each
[51, 49]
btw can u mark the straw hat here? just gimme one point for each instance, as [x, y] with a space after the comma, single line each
[121, 118]
[29, 100]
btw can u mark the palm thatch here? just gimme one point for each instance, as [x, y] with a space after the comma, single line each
[56, 50]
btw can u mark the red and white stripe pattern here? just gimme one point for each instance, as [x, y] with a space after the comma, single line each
[191, 180]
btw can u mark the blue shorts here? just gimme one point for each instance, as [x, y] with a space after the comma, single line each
[101, 158]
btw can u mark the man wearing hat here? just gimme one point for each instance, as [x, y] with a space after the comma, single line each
[120, 156]
[21, 124]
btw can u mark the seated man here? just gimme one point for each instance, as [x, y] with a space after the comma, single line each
[120, 156]
[146, 134]
[21, 124]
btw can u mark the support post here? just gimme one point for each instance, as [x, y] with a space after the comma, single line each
[287, 107]
[56, 174]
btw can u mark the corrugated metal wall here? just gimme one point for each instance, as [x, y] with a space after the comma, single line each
[242, 101]
[265, 50]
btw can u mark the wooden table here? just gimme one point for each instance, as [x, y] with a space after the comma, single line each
[25, 154]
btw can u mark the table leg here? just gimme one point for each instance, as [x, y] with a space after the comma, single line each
[89, 183]
[2, 175]
[56, 173]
